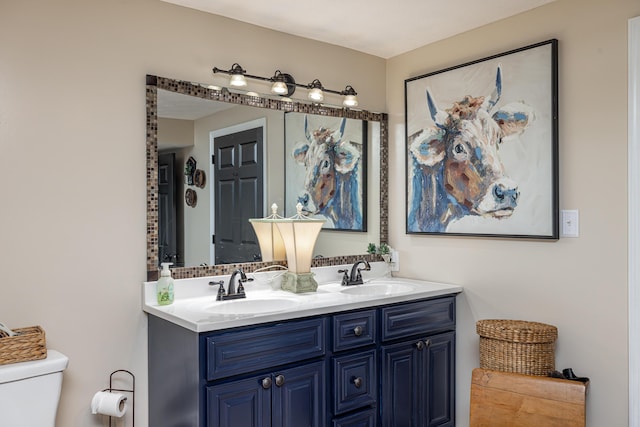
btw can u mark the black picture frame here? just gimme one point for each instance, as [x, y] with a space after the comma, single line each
[481, 147]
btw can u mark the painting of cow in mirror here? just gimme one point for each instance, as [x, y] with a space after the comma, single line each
[481, 147]
[325, 169]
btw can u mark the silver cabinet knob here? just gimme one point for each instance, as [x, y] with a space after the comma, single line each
[427, 343]
[357, 382]
[279, 380]
[419, 345]
[266, 383]
[358, 330]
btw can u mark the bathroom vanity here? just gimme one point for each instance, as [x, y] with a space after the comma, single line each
[382, 355]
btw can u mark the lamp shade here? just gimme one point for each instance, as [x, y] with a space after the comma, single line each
[299, 236]
[269, 238]
[350, 101]
[316, 94]
[237, 80]
[279, 88]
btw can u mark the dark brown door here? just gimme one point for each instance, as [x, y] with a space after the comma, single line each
[167, 238]
[238, 195]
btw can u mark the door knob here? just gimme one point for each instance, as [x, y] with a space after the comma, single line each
[419, 345]
[279, 380]
[266, 383]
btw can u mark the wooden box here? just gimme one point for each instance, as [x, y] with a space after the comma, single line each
[502, 399]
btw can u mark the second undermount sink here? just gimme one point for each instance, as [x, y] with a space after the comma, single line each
[379, 289]
[244, 306]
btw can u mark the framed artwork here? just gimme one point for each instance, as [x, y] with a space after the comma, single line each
[482, 147]
[326, 169]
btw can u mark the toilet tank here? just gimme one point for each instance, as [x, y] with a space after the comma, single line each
[30, 391]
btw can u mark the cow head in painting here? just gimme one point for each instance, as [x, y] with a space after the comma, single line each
[456, 167]
[331, 186]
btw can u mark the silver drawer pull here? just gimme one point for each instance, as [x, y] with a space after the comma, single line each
[279, 380]
[266, 383]
[419, 345]
[427, 343]
[357, 382]
[358, 330]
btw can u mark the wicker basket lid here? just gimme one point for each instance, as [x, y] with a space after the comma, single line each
[516, 330]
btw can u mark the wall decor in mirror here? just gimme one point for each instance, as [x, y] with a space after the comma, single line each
[238, 143]
[326, 169]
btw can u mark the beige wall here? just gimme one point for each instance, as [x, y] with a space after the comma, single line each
[72, 163]
[72, 131]
[579, 284]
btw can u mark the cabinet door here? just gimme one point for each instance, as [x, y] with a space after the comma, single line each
[299, 396]
[440, 379]
[242, 403]
[400, 384]
[418, 378]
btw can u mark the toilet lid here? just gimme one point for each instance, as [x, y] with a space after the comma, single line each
[54, 362]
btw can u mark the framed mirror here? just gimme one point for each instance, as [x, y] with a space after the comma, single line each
[184, 122]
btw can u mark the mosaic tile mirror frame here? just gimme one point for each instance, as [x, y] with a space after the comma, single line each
[200, 91]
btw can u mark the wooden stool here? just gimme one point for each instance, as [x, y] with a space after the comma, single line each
[502, 399]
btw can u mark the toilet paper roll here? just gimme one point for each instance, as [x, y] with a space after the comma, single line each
[108, 403]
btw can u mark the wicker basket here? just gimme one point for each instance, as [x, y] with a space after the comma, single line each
[29, 344]
[517, 346]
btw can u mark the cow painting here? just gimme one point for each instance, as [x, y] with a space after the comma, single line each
[455, 168]
[331, 186]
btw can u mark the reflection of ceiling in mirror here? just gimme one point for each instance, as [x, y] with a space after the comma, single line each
[173, 105]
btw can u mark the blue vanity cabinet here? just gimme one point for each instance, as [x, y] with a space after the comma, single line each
[417, 359]
[390, 365]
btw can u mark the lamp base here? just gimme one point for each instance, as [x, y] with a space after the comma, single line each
[299, 282]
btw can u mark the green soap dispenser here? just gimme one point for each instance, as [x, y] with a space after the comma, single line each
[164, 287]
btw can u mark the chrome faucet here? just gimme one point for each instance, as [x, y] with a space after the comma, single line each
[232, 292]
[231, 289]
[355, 277]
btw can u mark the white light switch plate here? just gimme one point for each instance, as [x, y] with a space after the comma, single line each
[395, 259]
[570, 223]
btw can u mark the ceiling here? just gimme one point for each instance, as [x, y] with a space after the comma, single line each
[384, 28]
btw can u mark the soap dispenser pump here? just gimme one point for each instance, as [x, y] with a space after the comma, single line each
[164, 287]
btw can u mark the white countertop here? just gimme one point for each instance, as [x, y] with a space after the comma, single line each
[196, 309]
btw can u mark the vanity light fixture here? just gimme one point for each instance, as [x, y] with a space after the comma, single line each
[284, 84]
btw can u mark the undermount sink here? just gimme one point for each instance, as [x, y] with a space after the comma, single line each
[244, 306]
[379, 289]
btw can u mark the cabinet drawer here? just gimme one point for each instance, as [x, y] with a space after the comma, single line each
[354, 381]
[243, 351]
[418, 318]
[365, 418]
[353, 330]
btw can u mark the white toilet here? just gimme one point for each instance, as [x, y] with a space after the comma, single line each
[30, 391]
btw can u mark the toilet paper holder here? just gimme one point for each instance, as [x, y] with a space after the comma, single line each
[132, 391]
